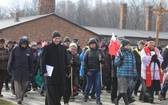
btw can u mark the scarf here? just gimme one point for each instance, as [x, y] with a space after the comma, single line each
[148, 70]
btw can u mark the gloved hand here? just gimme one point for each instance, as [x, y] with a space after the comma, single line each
[121, 58]
[154, 58]
[102, 61]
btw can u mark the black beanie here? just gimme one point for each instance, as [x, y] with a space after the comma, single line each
[67, 39]
[125, 42]
[10, 42]
[150, 39]
[55, 34]
[2, 40]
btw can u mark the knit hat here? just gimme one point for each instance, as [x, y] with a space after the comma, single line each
[10, 42]
[125, 42]
[66, 39]
[92, 40]
[75, 39]
[33, 44]
[15, 42]
[39, 43]
[2, 40]
[120, 38]
[55, 34]
[150, 39]
[73, 44]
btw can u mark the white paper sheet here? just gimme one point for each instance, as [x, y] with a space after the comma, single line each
[49, 70]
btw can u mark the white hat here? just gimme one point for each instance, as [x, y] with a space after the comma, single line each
[73, 44]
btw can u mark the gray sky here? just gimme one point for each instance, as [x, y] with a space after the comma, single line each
[8, 3]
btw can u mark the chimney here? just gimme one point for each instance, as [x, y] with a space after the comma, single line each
[46, 6]
[148, 22]
[16, 17]
[123, 16]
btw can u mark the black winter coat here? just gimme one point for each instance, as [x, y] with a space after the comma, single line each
[165, 57]
[91, 59]
[76, 61]
[20, 62]
[56, 56]
[138, 61]
[113, 68]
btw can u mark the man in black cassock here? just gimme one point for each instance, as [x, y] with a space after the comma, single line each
[55, 55]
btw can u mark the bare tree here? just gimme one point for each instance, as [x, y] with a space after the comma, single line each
[96, 14]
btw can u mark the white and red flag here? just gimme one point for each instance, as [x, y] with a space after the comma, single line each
[113, 46]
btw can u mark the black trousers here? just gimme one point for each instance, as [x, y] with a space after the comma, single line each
[114, 89]
[149, 91]
[7, 80]
[67, 92]
[2, 78]
[137, 85]
[54, 92]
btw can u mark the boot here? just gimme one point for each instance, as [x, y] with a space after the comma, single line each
[7, 88]
[93, 96]
[98, 102]
[42, 93]
[125, 98]
[117, 99]
[86, 98]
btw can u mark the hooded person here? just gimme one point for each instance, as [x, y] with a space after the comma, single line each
[20, 65]
[92, 69]
[106, 67]
[54, 55]
[150, 69]
[39, 46]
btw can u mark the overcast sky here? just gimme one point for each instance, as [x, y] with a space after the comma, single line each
[8, 3]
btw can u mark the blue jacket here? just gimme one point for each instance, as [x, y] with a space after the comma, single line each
[127, 67]
[82, 72]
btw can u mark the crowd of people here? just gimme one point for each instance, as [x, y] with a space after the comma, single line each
[88, 71]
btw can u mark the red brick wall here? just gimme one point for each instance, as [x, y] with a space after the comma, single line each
[41, 29]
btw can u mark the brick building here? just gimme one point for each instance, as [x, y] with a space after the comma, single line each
[40, 27]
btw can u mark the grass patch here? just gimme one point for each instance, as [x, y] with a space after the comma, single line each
[4, 102]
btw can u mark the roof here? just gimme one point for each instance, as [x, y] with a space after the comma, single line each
[7, 23]
[126, 32]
